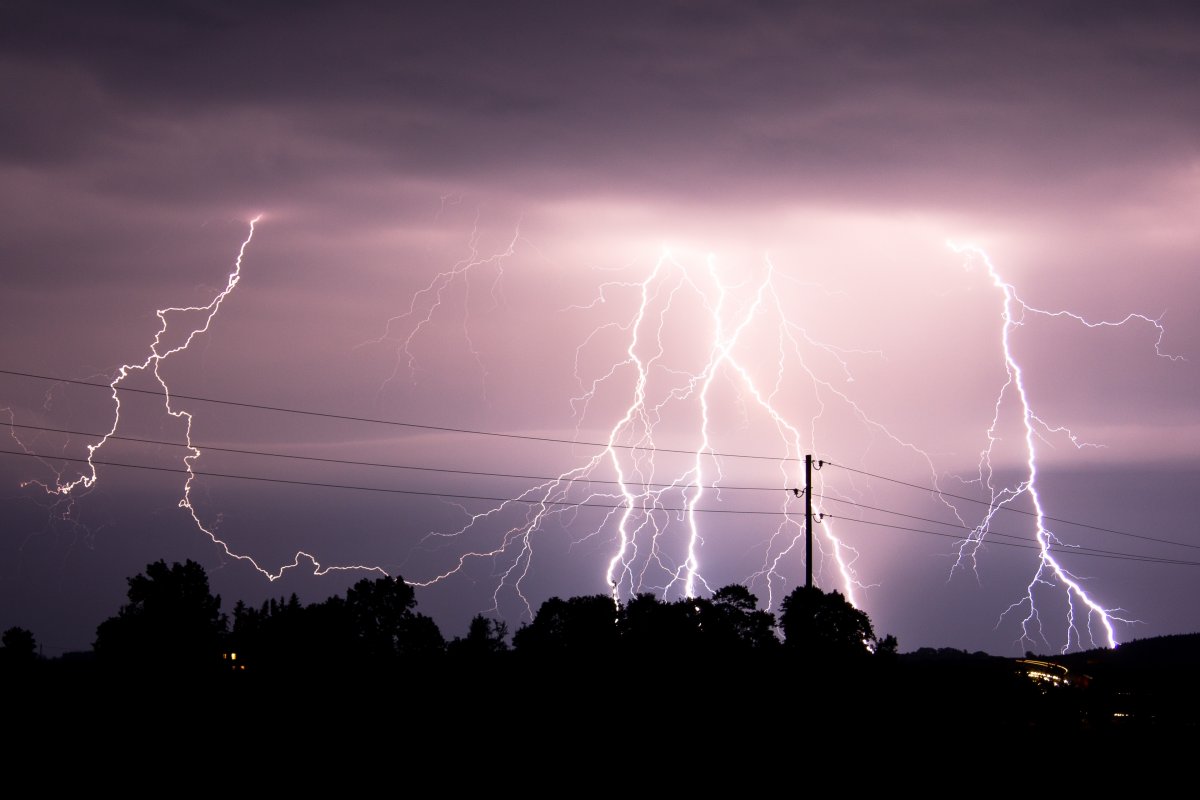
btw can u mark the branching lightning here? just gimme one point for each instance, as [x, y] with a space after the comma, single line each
[404, 329]
[685, 351]
[656, 535]
[158, 354]
[1084, 615]
[657, 538]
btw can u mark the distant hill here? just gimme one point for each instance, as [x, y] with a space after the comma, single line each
[1176, 652]
[931, 655]
[1148, 683]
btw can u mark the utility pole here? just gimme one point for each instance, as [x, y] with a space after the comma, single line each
[808, 521]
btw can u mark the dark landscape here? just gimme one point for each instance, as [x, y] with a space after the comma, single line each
[582, 660]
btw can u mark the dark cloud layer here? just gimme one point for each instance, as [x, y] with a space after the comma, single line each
[761, 100]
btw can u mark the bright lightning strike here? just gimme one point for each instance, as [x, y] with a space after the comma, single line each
[159, 353]
[673, 392]
[1084, 614]
[654, 516]
[686, 351]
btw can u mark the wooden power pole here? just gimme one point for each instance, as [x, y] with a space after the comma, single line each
[808, 521]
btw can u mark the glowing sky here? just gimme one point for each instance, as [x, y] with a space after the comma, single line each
[383, 144]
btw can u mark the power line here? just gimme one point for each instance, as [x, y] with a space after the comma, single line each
[1082, 551]
[472, 473]
[323, 485]
[998, 507]
[351, 462]
[396, 423]
[955, 524]
[527, 437]
[988, 533]
[582, 504]
[478, 473]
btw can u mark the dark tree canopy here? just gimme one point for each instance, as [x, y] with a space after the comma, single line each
[580, 626]
[887, 647]
[728, 624]
[19, 650]
[272, 636]
[734, 622]
[485, 638]
[824, 625]
[385, 624]
[171, 620]
[375, 625]
[654, 628]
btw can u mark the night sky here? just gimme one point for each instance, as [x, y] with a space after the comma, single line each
[464, 206]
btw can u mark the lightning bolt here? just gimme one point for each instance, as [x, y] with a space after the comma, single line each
[158, 354]
[404, 329]
[672, 387]
[653, 515]
[1082, 609]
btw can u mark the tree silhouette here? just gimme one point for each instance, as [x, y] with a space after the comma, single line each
[734, 623]
[577, 627]
[824, 625]
[650, 627]
[272, 636]
[485, 638]
[378, 610]
[172, 620]
[19, 651]
[727, 624]
[384, 624]
[887, 647]
[374, 626]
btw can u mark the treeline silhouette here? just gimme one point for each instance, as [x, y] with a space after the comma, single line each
[584, 662]
[173, 622]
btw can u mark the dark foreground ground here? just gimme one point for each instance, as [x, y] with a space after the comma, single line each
[937, 722]
[1143, 689]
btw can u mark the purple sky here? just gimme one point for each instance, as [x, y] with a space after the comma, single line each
[387, 145]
